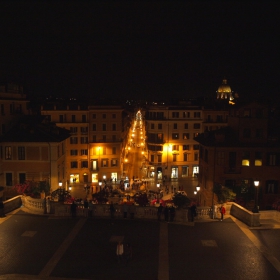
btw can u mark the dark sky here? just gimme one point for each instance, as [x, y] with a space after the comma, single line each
[140, 49]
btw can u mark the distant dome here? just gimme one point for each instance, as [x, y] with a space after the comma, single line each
[224, 87]
[224, 91]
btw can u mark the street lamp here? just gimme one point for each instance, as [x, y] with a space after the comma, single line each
[198, 189]
[100, 184]
[60, 184]
[158, 185]
[256, 208]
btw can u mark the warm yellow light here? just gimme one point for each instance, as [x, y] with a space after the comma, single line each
[126, 160]
[198, 188]
[256, 183]
[129, 148]
[142, 153]
[245, 162]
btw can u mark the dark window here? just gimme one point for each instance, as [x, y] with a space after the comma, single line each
[73, 117]
[186, 136]
[175, 126]
[84, 118]
[196, 125]
[113, 116]
[232, 159]
[103, 127]
[175, 114]
[175, 147]
[94, 116]
[84, 140]
[271, 186]
[9, 179]
[84, 164]
[175, 136]
[247, 133]
[104, 162]
[186, 147]
[104, 116]
[94, 127]
[186, 126]
[73, 140]
[73, 152]
[159, 158]
[196, 147]
[114, 150]
[159, 126]
[152, 126]
[114, 127]
[21, 153]
[84, 152]
[74, 164]
[22, 178]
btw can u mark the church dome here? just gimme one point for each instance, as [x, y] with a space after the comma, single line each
[224, 87]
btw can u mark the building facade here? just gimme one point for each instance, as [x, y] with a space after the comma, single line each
[94, 151]
[171, 149]
[32, 151]
[246, 151]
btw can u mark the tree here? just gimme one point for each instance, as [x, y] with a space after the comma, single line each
[223, 193]
[181, 201]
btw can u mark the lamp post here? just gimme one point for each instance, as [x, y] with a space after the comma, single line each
[198, 189]
[100, 184]
[256, 208]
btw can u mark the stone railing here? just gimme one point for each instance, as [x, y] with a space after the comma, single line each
[35, 205]
[103, 210]
[12, 204]
[204, 212]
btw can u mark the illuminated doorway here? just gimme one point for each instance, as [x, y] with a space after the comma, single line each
[174, 172]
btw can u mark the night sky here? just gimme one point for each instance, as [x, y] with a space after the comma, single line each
[141, 49]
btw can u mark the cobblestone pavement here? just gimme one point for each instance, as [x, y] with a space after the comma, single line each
[46, 247]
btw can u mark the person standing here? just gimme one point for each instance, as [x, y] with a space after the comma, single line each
[159, 212]
[193, 211]
[112, 211]
[127, 252]
[90, 208]
[125, 209]
[48, 205]
[2, 212]
[172, 213]
[86, 208]
[119, 251]
[166, 213]
[223, 211]
[73, 208]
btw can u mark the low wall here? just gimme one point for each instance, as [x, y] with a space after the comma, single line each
[270, 214]
[245, 216]
[12, 204]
